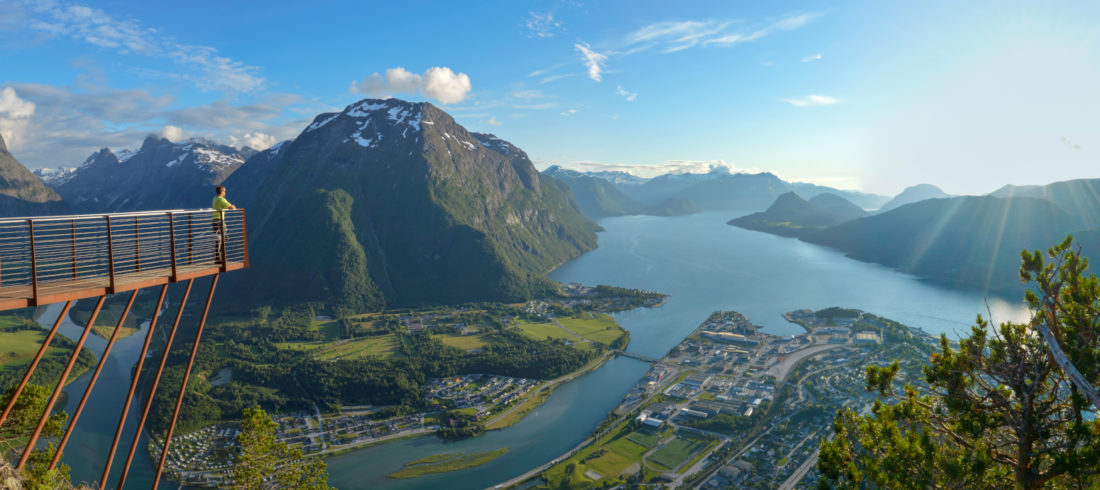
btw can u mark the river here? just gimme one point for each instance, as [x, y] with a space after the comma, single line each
[700, 262]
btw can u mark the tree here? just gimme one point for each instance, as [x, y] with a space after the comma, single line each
[19, 426]
[264, 462]
[998, 411]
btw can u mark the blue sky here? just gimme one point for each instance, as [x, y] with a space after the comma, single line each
[866, 95]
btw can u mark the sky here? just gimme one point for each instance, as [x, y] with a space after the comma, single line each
[874, 96]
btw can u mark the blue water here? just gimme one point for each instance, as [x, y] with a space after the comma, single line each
[702, 263]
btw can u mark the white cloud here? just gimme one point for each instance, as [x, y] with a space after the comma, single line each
[15, 115]
[172, 133]
[570, 112]
[542, 25]
[444, 85]
[528, 94]
[593, 61]
[440, 83]
[492, 121]
[551, 78]
[669, 167]
[630, 96]
[673, 36]
[812, 100]
[813, 57]
[256, 140]
[204, 67]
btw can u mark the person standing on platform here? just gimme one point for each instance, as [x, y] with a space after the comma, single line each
[218, 223]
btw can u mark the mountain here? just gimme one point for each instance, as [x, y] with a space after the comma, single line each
[1080, 198]
[837, 206]
[911, 194]
[723, 190]
[597, 197]
[792, 216]
[21, 192]
[673, 206]
[54, 176]
[393, 203]
[160, 175]
[970, 241]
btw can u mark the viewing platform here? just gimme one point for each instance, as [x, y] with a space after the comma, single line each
[51, 259]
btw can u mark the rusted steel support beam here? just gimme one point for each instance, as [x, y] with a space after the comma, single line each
[183, 386]
[60, 384]
[153, 389]
[133, 387]
[34, 363]
[91, 383]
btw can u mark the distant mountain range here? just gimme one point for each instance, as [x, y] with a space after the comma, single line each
[599, 196]
[159, 175]
[792, 216]
[912, 194]
[23, 193]
[603, 194]
[393, 203]
[972, 241]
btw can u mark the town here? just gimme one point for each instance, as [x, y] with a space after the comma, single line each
[732, 407]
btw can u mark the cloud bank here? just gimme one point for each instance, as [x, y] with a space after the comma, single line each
[439, 83]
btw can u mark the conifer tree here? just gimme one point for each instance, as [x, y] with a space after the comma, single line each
[1004, 409]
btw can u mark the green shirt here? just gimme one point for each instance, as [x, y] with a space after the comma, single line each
[220, 204]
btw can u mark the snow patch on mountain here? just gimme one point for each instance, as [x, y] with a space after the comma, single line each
[321, 123]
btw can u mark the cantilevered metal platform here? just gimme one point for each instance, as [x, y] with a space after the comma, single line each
[61, 258]
[55, 259]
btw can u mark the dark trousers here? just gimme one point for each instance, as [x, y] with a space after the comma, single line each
[218, 226]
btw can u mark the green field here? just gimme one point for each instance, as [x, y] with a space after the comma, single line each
[464, 342]
[18, 347]
[645, 439]
[541, 331]
[595, 327]
[675, 452]
[459, 461]
[385, 346]
[328, 328]
[619, 455]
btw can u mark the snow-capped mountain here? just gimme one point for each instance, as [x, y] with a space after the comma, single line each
[54, 176]
[159, 175]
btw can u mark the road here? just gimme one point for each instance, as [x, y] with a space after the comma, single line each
[781, 370]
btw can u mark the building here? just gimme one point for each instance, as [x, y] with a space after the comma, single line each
[866, 338]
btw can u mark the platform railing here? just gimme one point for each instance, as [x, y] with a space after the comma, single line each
[56, 258]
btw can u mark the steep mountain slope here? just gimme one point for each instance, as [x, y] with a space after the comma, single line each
[597, 197]
[912, 194]
[21, 192]
[837, 206]
[392, 202]
[1080, 198]
[160, 175]
[972, 241]
[792, 216]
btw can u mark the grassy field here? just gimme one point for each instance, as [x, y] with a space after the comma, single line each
[382, 347]
[107, 319]
[464, 342]
[541, 331]
[595, 327]
[618, 456]
[18, 348]
[328, 328]
[458, 462]
[435, 458]
[642, 438]
[675, 452]
[530, 403]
